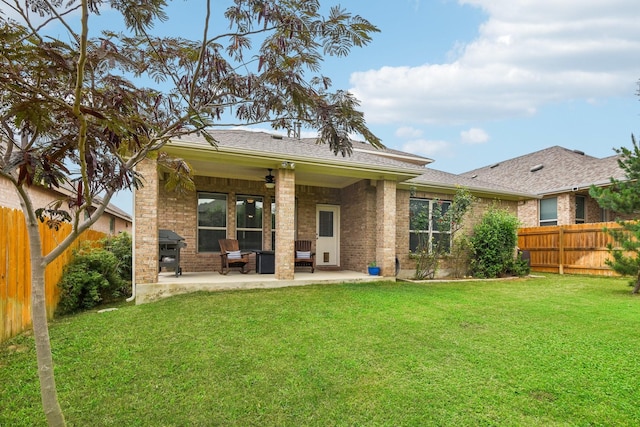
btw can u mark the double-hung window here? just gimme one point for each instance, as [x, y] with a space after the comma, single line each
[427, 227]
[212, 221]
[549, 211]
[249, 222]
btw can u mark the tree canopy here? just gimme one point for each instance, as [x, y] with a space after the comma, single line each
[623, 196]
[79, 108]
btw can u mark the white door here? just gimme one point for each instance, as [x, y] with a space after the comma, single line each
[328, 235]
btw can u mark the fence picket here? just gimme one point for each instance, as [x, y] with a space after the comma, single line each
[15, 269]
[572, 249]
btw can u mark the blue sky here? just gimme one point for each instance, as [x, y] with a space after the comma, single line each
[468, 83]
[471, 82]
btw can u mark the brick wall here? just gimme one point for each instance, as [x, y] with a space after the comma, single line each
[178, 212]
[386, 227]
[359, 219]
[528, 213]
[307, 197]
[529, 216]
[285, 221]
[473, 217]
[566, 208]
[593, 212]
[146, 224]
[358, 228]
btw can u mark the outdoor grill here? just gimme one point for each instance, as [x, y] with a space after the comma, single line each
[170, 244]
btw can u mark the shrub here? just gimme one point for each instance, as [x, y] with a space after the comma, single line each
[520, 267]
[445, 219]
[96, 275]
[493, 244]
[120, 246]
[460, 258]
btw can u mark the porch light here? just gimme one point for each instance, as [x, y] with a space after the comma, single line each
[269, 180]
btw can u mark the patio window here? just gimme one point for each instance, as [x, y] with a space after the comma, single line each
[549, 211]
[580, 209]
[424, 227]
[212, 221]
[249, 222]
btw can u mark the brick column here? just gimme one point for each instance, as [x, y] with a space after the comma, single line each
[285, 227]
[145, 224]
[386, 227]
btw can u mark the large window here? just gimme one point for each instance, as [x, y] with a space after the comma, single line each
[549, 211]
[249, 222]
[425, 225]
[580, 209]
[212, 221]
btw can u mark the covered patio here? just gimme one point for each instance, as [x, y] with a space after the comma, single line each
[268, 193]
[169, 285]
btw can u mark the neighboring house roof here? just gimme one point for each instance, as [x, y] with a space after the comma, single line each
[110, 209]
[46, 195]
[550, 171]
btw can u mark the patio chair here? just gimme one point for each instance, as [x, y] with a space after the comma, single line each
[231, 257]
[303, 255]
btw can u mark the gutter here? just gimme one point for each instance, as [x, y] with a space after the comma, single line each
[578, 187]
[431, 185]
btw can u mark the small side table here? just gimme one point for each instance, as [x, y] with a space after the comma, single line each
[265, 262]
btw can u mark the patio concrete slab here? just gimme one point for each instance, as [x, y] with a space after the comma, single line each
[170, 285]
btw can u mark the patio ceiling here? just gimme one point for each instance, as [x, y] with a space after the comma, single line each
[304, 175]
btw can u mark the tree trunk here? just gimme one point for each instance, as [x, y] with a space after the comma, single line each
[48, 392]
[636, 287]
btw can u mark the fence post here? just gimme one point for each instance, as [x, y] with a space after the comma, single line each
[561, 252]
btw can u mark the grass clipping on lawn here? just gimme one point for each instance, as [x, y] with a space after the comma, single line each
[548, 351]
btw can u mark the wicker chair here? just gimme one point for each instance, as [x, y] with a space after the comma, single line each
[304, 257]
[231, 257]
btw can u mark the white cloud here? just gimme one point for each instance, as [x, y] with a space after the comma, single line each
[474, 136]
[528, 54]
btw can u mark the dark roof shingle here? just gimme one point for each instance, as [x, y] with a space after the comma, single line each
[554, 169]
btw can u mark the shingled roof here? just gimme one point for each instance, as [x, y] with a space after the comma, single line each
[550, 171]
[308, 148]
[439, 179]
[410, 169]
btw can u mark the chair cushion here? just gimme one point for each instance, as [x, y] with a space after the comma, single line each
[303, 254]
[234, 255]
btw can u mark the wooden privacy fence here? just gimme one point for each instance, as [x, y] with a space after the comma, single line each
[15, 269]
[572, 249]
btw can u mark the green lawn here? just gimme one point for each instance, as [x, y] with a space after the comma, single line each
[554, 351]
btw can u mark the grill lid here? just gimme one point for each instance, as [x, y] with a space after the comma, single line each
[168, 236]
